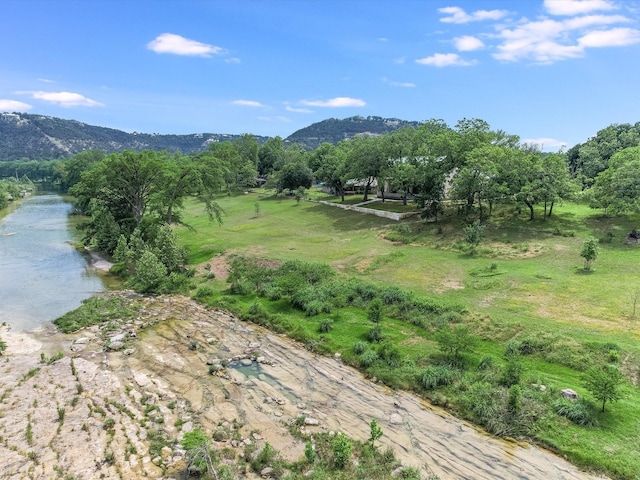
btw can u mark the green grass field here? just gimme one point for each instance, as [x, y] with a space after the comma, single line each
[526, 281]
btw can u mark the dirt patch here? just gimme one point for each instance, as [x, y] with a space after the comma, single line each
[449, 283]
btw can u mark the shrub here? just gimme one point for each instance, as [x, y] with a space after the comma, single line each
[581, 412]
[3, 347]
[486, 362]
[512, 372]
[341, 450]
[393, 295]
[375, 334]
[266, 458]
[438, 376]
[390, 354]
[241, 287]
[360, 347]
[368, 358]
[325, 326]
[374, 311]
[309, 452]
[203, 292]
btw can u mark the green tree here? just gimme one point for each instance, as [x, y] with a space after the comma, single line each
[589, 252]
[295, 174]
[199, 454]
[330, 166]
[149, 275]
[271, 156]
[3, 347]
[604, 383]
[474, 233]
[375, 431]
[455, 341]
[617, 189]
[341, 450]
[367, 160]
[374, 310]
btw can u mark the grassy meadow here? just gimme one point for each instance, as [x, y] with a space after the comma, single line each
[525, 283]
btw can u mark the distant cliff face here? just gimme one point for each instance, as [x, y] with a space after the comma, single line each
[334, 130]
[39, 137]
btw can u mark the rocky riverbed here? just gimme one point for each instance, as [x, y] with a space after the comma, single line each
[119, 399]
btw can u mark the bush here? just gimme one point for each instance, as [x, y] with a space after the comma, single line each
[581, 412]
[150, 274]
[390, 354]
[512, 372]
[374, 312]
[360, 347]
[241, 287]
[203, 292]
[438, 376]
[341, 450]
[368, 358]
[375, 334]
[325, 326]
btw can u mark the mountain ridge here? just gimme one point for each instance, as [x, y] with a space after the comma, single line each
[41, 137]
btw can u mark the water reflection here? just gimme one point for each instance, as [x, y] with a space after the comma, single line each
[41, 275]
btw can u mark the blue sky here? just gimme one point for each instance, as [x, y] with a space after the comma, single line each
[553, 72]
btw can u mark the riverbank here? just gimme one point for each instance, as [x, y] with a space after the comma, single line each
[122, 386]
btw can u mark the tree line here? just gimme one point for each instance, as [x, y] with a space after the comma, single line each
[136, 194]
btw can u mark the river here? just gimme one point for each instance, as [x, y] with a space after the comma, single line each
[42, 276]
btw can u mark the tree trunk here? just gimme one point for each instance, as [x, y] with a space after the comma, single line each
[404, 197]
[530, 206]
[544, 217]
[551, 207]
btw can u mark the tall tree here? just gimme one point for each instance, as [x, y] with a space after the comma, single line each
[604, 383]
[617, 189]
[331, 166]
[366, 160]
[270, 156]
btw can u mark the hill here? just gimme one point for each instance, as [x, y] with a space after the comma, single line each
[334, 130]
[36, 137]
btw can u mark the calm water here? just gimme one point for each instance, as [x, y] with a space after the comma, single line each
[41, 275]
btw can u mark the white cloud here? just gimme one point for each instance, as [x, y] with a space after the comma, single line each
[616, 37]
[458, 15]
[576, 7]
[335, 102]
[548, 40]
[247, 103]
[278, 118]
[398, 84]
[64, 99]
[289, 108]
[232, 60]
[178, 45]
[545, 143]
[7, 105]
[46, 80]
[467, 43]
[444, 60]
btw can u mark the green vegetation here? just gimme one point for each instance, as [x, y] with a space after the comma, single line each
[479, 306]
[448, 346]
[95, 310]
